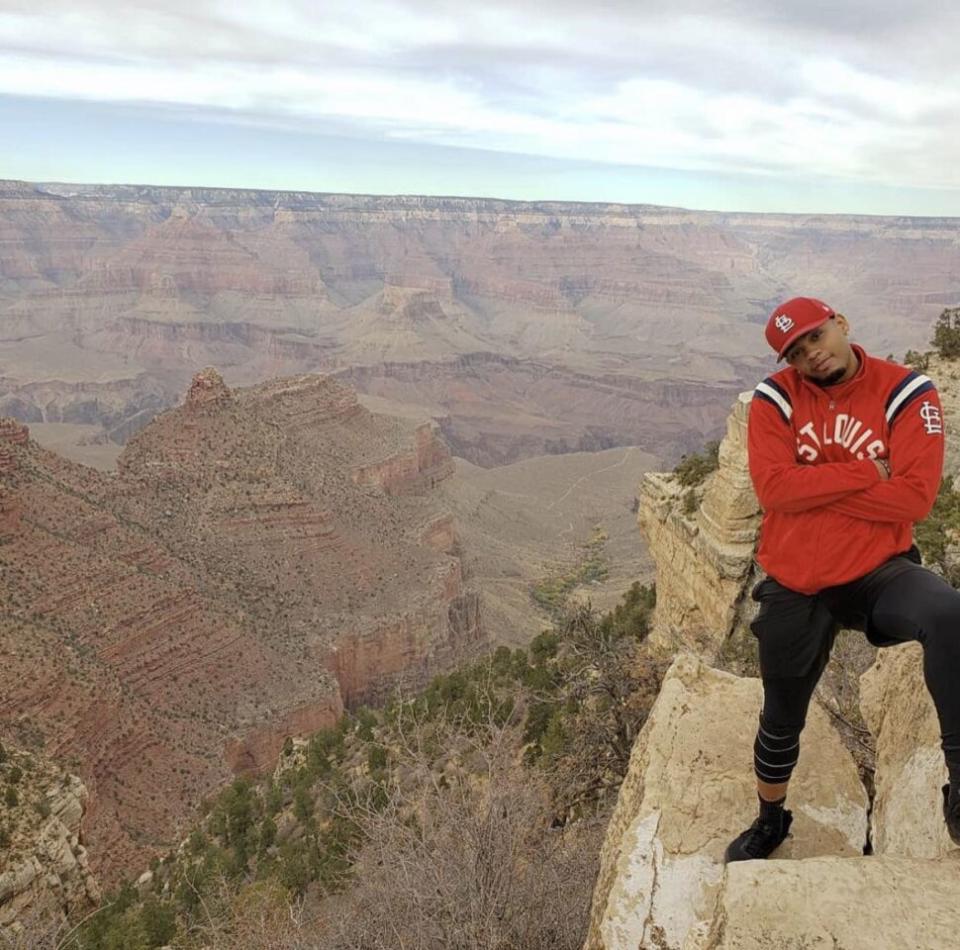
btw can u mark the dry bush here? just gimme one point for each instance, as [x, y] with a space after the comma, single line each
[466, 859]
[261, 916]
[614, 681]
[42, 929]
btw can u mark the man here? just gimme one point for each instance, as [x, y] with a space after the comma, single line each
[846, 454]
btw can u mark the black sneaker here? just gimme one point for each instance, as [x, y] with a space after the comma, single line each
[760, 840]
[951, 814]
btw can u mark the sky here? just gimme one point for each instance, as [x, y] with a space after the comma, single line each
[745, 105]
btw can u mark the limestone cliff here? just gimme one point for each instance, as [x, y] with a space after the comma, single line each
[704, 557]
[689, 790]
[898, 709]
[45, 877]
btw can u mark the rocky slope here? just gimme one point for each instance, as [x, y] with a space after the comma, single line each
[44, 871]
[121, 292]
[261, 559]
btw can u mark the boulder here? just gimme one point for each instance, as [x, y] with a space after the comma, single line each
[869, 903]
[907, 815]
[689, 790]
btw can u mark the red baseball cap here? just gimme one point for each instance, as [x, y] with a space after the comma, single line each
[792, 319]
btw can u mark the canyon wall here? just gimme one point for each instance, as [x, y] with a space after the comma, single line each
[113, 296]
[262, 559]
[45, 878]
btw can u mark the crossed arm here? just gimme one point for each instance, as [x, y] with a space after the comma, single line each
[859, 488]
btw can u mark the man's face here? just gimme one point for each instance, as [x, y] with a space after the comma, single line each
[824, 355]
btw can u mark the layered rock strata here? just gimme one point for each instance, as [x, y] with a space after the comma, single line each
[704, 556]
[689, 791]
[111, 294]
[45, 877]
[240, 579]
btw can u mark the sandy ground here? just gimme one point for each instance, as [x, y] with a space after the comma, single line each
[77, 443]
[522, 522]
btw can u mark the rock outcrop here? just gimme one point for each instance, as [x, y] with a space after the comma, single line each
[206, 387]
[45, 877]
[907, 818]
[689, 791]
[704, 556]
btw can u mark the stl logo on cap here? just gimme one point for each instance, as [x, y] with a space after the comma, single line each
[792, 319]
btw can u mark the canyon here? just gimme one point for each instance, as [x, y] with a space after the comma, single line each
[261, 560]
[522, 328]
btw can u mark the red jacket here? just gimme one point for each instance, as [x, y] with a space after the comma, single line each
[828, 516]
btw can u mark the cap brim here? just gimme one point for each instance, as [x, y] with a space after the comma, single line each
[796, 336]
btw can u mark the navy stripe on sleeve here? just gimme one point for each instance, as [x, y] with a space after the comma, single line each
[776, 395]
[904, 393]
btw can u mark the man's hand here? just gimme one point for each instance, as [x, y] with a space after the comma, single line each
[883, 467]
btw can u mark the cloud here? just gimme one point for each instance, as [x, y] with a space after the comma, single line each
[862, 91]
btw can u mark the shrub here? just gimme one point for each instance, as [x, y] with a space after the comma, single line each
[946, 333]
[693, 469]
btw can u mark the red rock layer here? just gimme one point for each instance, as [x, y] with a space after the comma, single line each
[175, 622]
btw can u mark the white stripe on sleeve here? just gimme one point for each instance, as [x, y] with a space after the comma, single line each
[770, 392]
[904, 394]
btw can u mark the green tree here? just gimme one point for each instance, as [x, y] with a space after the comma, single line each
[268, 835]
[158, 922]
[946, 333]
[376, 757]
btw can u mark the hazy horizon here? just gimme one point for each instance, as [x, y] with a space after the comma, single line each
[748, 107]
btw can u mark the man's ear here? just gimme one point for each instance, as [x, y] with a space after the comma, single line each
[843, 323]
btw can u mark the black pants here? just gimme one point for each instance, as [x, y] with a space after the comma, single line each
[898, 602]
